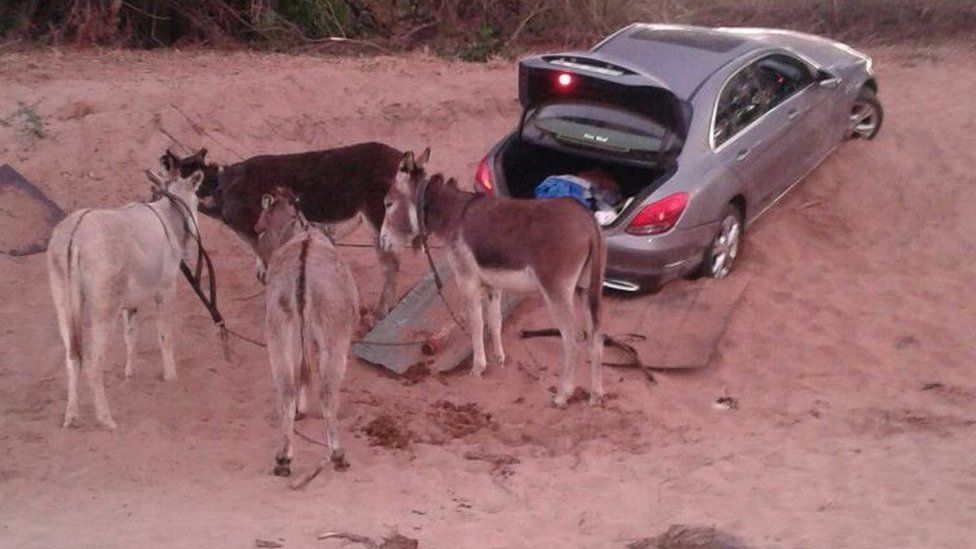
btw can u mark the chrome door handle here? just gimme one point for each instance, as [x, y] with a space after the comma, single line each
[744, 153]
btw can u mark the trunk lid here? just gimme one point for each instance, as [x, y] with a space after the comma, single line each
[592, 78]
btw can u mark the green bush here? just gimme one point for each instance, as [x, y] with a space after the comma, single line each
[319, 18]
[483, 47]
[469, 29]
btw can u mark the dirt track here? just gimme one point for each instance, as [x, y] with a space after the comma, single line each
[851, 353]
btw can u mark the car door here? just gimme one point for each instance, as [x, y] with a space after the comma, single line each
[750, 138]
[792, 88]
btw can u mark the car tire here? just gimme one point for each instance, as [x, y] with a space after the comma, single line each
[866, 115]
[725, 246]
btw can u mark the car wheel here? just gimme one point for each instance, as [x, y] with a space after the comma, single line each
[866, 116]
[724, 249]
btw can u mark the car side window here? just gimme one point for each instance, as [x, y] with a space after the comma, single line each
[755, 90]
[782, 76]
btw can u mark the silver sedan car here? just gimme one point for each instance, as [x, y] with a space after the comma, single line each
[684, 134]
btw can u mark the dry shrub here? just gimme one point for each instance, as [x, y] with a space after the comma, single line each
[859, 20]
[471, 29]
[76, 110]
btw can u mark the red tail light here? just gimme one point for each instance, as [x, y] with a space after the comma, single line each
[482, 177]
[565, 80]
[660, 216]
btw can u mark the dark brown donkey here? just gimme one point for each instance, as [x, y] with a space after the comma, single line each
[332, 185]
[552, 246]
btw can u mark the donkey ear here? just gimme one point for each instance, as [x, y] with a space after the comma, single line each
[423, 158]
[169, 162]
[155, 180]
[407, 163]
[202, 153]
[195, 180]
[452, 182]
[267, 202]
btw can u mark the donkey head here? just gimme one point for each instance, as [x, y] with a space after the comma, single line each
[207, 192]
[401, 222]
[279, 212]
[184, 188]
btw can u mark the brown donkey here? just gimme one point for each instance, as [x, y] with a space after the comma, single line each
[312, 311]
[332, 185]
[494, 244]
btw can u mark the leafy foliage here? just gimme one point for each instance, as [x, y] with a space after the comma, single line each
[485, 45]
[469, 29]
[318, 18]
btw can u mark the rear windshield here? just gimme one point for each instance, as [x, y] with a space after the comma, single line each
[609, 130]
[698, 39]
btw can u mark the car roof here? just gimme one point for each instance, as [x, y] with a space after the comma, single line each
[679, 56]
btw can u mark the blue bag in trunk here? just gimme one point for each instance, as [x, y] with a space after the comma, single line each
[556, 186]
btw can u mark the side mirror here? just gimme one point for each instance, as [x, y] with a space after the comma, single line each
[827, 80]
[830, 83]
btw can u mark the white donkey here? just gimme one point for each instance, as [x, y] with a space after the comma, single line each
[312, 313]
[102, 262]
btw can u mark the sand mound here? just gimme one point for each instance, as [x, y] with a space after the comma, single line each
[850, 353]
[385, 431]
[459, 420]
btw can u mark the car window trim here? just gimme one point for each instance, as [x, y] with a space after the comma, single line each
[815, 70]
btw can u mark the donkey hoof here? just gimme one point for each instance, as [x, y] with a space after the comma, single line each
[368, 320]
[559, 400]
[282, 470]
[108, 423]
[596, 399]
[339, 462]
[300, 415]
[70, 421]
[169, 376]
[282, 467]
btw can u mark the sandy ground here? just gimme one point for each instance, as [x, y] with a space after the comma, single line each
[851, 352]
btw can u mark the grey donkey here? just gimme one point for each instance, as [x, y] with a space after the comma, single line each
[312, 313]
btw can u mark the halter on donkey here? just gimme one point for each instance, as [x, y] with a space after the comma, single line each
[553, 247]
[98, 267]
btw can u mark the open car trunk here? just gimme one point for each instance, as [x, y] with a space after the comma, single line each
[525, 165]
[594, 120]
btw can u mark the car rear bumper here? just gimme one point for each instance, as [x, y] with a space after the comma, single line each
[637, 263]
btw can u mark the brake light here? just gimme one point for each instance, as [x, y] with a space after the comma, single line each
[660, 216]
[482, 177]
[565, 80]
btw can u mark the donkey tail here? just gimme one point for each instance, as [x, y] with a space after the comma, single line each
[66, 289]
[597, 263]
[75, 296]
[304, 324]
